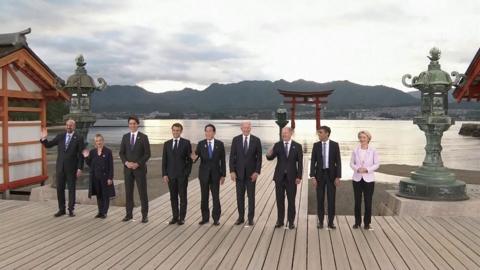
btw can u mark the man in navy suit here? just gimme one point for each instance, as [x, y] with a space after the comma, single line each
[212, 171]
[135, 152]
[245, 166]
[69, 166]
[325, 172]
[176, 167]
[287, 175]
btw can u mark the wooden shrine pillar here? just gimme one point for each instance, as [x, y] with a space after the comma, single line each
[293, 113]
[317, 112]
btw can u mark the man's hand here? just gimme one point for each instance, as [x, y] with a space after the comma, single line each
[109, 182]
[222, 180]
[79, 173]
[314, 181]
[233, 176]
[44, 134]
[270, 151]
[254, 176]
[85, 153]
[298, 180]
[337, 182]
[193, 156]
[135, 165]
[165, 179]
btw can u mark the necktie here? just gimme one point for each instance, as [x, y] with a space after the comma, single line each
[286, 149]
[68, 141]
[210, 150]
[245, 145]
[175, 145]
[132, 141]
[324, 155]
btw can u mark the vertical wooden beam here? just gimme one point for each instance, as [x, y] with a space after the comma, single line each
[43, 124]
[5, 132]
[293, 113]
[317, 113]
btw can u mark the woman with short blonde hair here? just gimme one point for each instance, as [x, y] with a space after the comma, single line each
[364, 162]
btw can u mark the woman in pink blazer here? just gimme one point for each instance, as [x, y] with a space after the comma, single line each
[364, 162]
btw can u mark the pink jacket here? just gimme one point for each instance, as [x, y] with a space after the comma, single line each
[371, 163]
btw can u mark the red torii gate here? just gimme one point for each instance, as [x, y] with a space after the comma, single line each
[299, 97]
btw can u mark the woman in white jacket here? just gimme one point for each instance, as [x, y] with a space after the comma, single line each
[364, 162]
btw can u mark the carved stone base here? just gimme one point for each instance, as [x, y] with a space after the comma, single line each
[420, 190]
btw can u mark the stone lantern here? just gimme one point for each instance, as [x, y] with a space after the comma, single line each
[432, 181]
[282, 121]
[81, 86]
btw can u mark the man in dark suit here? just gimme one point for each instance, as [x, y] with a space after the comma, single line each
[69, 166]
[325, 172]
[245, 166]
[287, 175]
[211, 173]
[135, 152]
[176, 167]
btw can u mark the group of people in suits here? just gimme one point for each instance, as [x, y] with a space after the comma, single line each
[245, 163]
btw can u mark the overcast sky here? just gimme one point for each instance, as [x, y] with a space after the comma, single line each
[171, 44]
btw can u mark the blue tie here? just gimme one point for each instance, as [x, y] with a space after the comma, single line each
[210, 150]
[68, 141]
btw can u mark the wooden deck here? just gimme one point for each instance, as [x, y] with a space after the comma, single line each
[30, 238]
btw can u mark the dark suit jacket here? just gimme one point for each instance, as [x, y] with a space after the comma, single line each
[245, 165]
[140, 153]
[334, 160]
[101, 168]
[177, 163]
[70, 159]
[291, 165]
[216, 166]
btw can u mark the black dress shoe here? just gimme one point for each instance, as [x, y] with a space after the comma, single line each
[216, 222]
[203, 222]
[98, 215]
[71, 214]
[181, 222]
[278, 225]
[356, 226]
[250, 223]
[239, 221]
[127, 218]
[173, 221]
[144, 219]
[331, 226]
[59, 213]
[367, 227]
[103, 216]
[291, 226]
[320, 225]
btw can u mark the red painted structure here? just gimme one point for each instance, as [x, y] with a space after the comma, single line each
[470, 89]
[298, 97]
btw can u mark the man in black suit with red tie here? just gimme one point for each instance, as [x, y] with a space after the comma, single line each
[69, 164]
[211, 173]
[287, 175]
[176, 167]
[135, 152]
[325, 172]
[245, 166]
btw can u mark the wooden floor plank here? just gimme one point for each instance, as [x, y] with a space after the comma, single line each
[368, 258]
[313, 245]
[353, 254]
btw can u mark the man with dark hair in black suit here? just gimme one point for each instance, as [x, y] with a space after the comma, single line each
[245, 166]
[212, 173]
[69, 163]
[176, 167]
[287, 175]
[135, 152]
[325, 172]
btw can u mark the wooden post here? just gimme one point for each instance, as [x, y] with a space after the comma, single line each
[317, 112]
[5, 133]
[293, 113]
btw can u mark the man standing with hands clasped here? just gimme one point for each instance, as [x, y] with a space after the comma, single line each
[325, 172]
[245, 166]
[287, 175]
[135, 152]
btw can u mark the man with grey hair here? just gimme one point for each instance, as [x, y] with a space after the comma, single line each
[287, 175]
[245, 166]
[70, 145]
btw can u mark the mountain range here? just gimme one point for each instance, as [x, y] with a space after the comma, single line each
[245, 97]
